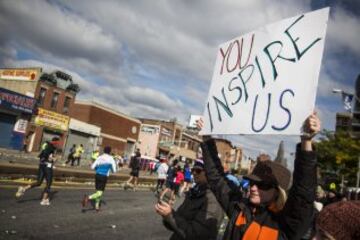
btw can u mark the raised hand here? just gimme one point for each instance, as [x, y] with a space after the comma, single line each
[200, 124]
[312, 126]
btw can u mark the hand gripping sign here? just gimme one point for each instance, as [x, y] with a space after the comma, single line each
[265, 82]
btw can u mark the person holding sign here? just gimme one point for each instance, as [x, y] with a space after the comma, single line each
[268, 213]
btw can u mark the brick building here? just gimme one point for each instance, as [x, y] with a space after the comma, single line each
[171, 140]
[118, 130]
[54, 94]
[229, 155]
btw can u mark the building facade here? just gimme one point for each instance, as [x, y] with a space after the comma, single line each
[118, 130]
[20, 80]
[229, 155]
[149, 139]
[356, 111]
[15, 113]
[350, 121]
[169, 140]
[82, 133]
[343, 121]
[172, 140]
[55, 94]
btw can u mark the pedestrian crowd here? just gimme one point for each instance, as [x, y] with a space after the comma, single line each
[269, 203]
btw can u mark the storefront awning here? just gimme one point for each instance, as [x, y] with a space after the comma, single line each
[84, 127]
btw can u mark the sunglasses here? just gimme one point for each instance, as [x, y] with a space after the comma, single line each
[262, 185]
[196, 170]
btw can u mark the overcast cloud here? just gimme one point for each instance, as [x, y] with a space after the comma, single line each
[155, 58]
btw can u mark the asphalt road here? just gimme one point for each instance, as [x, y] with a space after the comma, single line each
[124, 215]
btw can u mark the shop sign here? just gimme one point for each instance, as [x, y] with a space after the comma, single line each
[149, 129]
[52, 120]
[27, 74]
[84, 127]
[20, 126]
[16, 101]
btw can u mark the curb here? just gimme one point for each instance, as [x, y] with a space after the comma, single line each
[70, 185]
[63, 174]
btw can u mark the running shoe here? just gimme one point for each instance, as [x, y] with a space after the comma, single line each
[20, 192]
[97, 206]
[126, 186]
[45, 202]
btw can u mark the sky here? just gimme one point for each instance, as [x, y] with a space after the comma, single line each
[155, 59]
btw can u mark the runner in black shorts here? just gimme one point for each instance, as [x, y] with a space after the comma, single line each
[45, 171]
[135, 173]
[170, 184]
[135, 169]
[103, 165]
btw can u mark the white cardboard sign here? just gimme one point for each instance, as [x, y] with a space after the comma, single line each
[265, 82]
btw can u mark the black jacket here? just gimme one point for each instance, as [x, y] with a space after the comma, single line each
[198, 217]
[291, 223]
[135, 163]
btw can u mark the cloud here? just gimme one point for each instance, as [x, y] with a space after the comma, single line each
[179, 36]
[155, 58]
[43, 27]
[141, 102]
[344, 30]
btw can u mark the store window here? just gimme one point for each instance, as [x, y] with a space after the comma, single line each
[67, 104]
[54, 100]
[42, 95]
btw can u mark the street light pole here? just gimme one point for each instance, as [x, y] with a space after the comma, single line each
[337, 90]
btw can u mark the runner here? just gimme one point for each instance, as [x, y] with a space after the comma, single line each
[170, 182]
[102, 165]
[47, 160]
[135, 169]
[187, 179]
[162, 172]
[179, 179]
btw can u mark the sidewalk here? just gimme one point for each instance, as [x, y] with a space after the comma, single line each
[15, 165]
